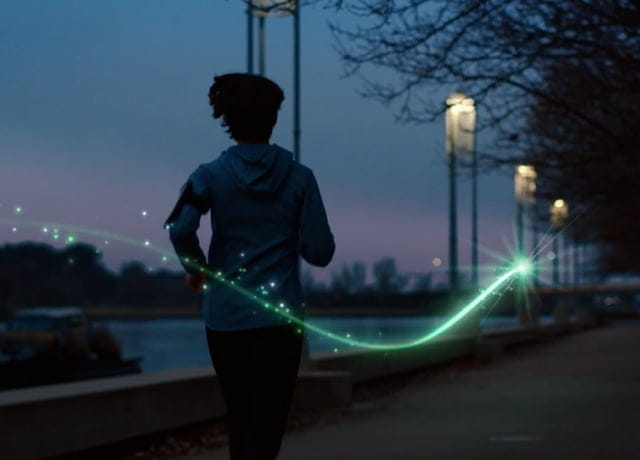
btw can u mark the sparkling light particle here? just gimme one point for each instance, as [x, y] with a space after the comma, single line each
[437, 261]
[18, 209]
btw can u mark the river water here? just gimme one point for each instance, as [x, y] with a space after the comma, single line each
[169, 343]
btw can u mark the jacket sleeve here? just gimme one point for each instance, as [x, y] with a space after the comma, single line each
[316, 240]
[194, 201]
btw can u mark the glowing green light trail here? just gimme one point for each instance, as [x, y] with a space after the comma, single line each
[521, 268]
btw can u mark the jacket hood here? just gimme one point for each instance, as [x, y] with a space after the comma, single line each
[257, 168]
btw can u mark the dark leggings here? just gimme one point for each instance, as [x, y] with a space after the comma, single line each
[257, 371]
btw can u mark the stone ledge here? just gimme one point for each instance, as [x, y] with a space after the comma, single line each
[51, 420]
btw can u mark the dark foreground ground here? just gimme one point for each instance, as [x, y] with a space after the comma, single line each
[575, 398]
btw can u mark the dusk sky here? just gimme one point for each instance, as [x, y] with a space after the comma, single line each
[105, 114]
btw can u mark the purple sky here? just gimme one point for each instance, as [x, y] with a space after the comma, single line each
[104, 115]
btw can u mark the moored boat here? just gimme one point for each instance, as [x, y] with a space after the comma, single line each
[56, 344]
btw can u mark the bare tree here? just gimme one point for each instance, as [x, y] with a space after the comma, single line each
[596, 173]
[350, 279]
[498, 50]
[556, 80]
[387, 278]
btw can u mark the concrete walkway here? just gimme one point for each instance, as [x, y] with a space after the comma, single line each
[575, 398]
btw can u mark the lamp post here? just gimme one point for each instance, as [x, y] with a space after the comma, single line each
[559, 212]
[249, 37]
[460, 119]
[534, 216]
[264, 9]
[262, 44]
[296, 79]
[525, 188]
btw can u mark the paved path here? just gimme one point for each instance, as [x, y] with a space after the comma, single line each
[576, 398]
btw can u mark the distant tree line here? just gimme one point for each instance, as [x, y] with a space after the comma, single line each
[351, 279]
[38, 274]
[348, 287]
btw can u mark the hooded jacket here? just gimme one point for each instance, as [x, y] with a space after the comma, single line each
[266, 210]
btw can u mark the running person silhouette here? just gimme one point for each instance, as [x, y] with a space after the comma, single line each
[266, 210]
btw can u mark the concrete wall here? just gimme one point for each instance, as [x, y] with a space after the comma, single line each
[55, 419]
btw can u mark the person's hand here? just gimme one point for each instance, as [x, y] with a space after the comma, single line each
[196, 281]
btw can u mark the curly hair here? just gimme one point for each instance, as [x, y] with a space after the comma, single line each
[248, 105]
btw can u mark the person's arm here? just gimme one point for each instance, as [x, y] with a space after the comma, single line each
[184, 221]
[316, 240]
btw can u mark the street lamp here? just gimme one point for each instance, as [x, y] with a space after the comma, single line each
[460, 120]
[264, 9]
[274, 8]
[525, 188]
[559, 212]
